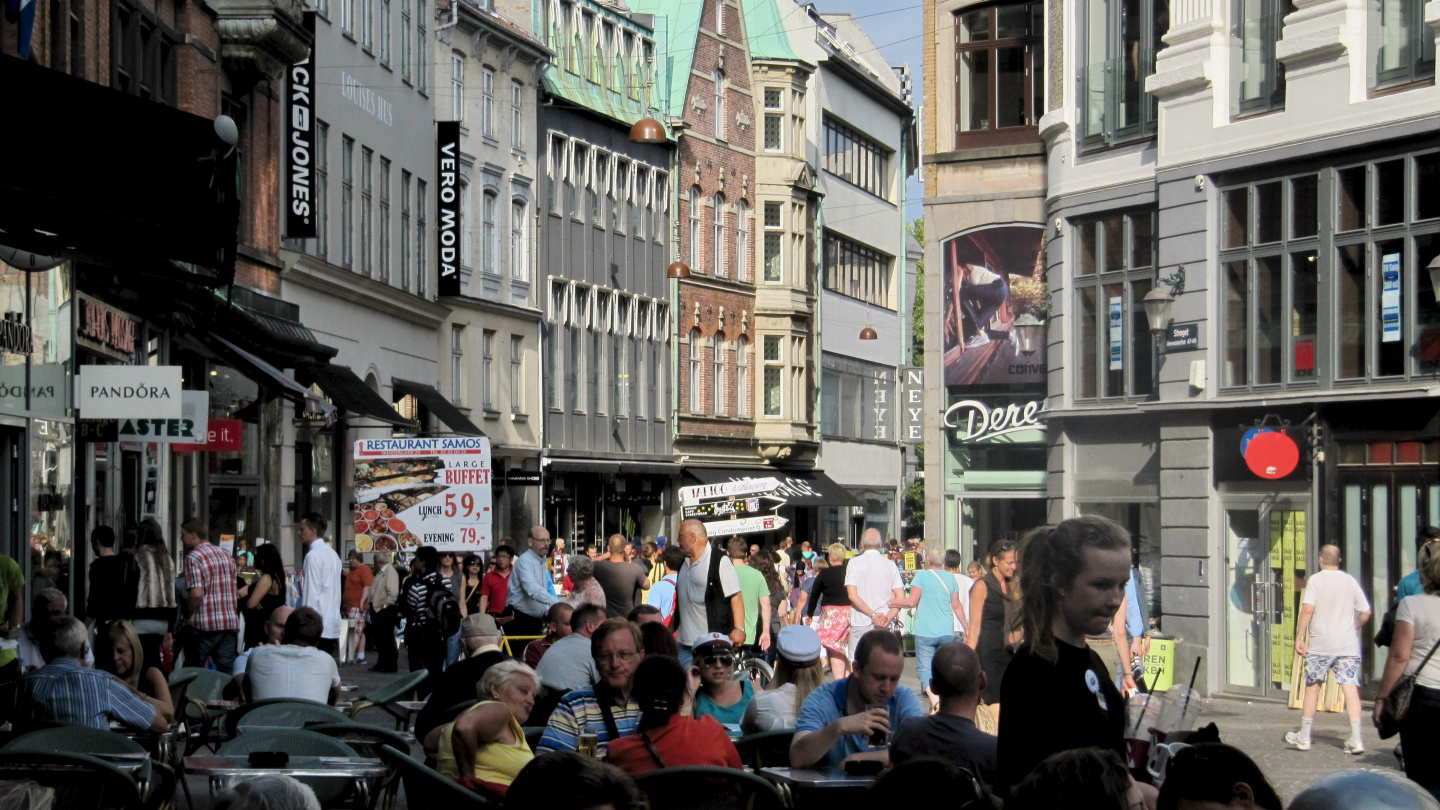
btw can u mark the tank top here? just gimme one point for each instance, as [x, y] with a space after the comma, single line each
[496, 762]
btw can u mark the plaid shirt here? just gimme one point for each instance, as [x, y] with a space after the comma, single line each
[66, 692]
[207, 566]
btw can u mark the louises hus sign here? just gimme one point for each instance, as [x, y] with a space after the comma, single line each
[300, 219]
[128, 392]
[447, 208]
[975, 421]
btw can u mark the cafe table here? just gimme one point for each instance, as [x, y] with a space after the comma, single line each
[825, 786]
[229, 769]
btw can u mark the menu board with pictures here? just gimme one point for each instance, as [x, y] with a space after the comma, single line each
[422, 492]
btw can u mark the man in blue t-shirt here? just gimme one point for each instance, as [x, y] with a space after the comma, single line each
[835, 724]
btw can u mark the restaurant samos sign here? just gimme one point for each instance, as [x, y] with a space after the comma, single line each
[423, 492]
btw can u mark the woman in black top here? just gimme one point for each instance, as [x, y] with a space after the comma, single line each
[992, 604]
[260, 598]
[829, 595]
[1058, 693]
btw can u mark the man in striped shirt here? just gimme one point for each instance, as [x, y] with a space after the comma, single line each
[607, 710]
[66, 691]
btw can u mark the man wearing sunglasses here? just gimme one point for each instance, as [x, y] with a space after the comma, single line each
[719, 696]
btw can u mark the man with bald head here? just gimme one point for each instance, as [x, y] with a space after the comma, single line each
[274, 635]
[1333, 610]
[872, 581]
[620, 578]
[950, 733]
[532, 592]
[707, 593]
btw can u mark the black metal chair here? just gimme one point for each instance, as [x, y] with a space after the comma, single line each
[708, 788]
[282, 712]
[766, 749]
[80, 781]
[426, 788]
[367, 742]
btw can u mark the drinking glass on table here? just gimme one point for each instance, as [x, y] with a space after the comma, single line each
[879, 738]
[588, 745]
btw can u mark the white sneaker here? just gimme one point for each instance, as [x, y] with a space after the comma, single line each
[1353, 747]
[980, 339]
[1294, 738]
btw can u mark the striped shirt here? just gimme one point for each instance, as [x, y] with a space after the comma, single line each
[208, 567]
[579, 712]
[65, 692]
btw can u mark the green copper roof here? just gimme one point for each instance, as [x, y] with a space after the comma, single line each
[677, 26]
[765, 28]
[592, 95]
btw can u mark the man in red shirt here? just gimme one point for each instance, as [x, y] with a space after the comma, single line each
[210, 580]
[355, 601]
[495, 587]
[557, 626]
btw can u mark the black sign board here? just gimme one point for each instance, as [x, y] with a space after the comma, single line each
[300, 214]
[522, 478]
[1182, 337]
[733, 508]
[97, 430]
[447, 208]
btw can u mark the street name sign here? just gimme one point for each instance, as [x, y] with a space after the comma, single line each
[747, 525]
[727, 489]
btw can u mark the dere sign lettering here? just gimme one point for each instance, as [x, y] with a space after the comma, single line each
[128, 392]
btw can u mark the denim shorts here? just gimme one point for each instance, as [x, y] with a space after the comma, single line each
[925, 647]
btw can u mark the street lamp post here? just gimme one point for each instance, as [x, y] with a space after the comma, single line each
[1027, 331]
[1157, 306]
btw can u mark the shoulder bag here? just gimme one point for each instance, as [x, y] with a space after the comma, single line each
[1397, 703]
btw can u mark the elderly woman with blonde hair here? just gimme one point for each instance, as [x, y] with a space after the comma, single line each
[490, 735]
[828, 595]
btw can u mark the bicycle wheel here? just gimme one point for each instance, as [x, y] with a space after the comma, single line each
[759, 672]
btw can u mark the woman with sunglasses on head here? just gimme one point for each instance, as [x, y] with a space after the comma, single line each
[992, 606]
[665, 737]
[1060, 693]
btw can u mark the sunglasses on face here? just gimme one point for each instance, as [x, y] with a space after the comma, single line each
[718, 660]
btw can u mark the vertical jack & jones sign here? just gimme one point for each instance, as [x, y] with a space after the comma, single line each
[300, 213]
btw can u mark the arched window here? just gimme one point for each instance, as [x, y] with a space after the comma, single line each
[717, 359]
[742, 376]
[719, 80]
[742, 242]
[695, 228]
[489, 244]
[718, 243]
[695, 370]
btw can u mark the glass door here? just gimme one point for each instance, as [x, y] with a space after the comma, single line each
[1247, 624]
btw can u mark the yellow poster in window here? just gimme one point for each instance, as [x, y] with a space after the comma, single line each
[1287, 548]
[1295, 553]
[1277, 526]
[1297, 561]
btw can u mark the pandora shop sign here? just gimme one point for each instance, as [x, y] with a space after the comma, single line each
[128, 392]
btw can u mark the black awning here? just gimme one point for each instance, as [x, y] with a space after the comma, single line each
[614, 466]
[797, 487]
[265, 375]
[351, 393]
[437, 404]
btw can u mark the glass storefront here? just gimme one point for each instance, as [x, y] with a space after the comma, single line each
[995, 475]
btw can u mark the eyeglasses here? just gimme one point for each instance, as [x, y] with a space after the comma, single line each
[619, 657]
[718, 660]
[475, 564]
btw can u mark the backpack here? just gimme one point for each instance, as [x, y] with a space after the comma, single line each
[446, 611]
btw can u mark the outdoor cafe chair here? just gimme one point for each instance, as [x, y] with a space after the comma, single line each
[766, 749]
[201, 686]
[425, 788]
[159, 786]
[301, 743]
[81, 782]
[707, 788]
[282, 713]
[367, 742]
[388, 697]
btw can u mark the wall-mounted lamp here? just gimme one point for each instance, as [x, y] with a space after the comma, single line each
[1434, 269]
[1027, 330]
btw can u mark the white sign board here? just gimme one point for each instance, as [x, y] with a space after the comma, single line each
[423, 492]
[1117, 333]
[727, 489]
[748, 525]
[1390, 298]
[128, 392]
[193, 426]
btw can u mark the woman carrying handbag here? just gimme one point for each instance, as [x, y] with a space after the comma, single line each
[1409, 697]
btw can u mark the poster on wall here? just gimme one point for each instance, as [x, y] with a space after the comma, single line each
[1390, 298]
[991, 277]
[423, 492]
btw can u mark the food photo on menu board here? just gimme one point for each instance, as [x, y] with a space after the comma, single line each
[422, 492]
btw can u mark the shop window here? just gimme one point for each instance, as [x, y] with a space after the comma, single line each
[1259, 76]
[1115, 271]
[1403, 46]
[999, 69]
[1118, 43]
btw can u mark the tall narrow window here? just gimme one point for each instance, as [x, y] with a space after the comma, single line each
[366, 29]
[517, 379]
[421, 203]
[742, 376]
[1259, 75]
[774, 243]
[405, 34]
[490, 244]
[405, 230]
[717, 381]
[720, 17]
[367, 158]
[719, 81]
[322, 189]
[457, 86]
[1118, 42]
[1404, 46]
[457, 365]
[695, 226]
[742, 241]
[718, 235]
[421, 80]
[347, 201]
[487, 102]
[382, 34]
[1113, 354]
[774, 375]
[695, 372]
[347, 16]
[487, 370]
[519, 241]
[999, 59]
[467, 225]
[384, 248]
[774, 119]
[517, 109]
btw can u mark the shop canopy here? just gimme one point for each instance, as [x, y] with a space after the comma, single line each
[351, 393]
[437, 404]
[266, 375]
[798, 487]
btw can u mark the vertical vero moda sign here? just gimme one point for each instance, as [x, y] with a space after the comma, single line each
[447, 159]
[300, 142]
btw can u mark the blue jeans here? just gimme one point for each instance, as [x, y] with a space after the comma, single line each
[925, 647]
[218, 645]
[686, 657]
[452, 649]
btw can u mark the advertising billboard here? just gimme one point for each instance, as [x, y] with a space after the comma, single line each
[990, 277]
[422, 492]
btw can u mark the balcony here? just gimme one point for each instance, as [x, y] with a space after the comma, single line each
[259, 39]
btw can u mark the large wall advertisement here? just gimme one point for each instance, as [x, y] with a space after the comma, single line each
[991, 276]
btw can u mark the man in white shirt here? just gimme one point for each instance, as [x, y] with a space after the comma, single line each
[701, 604]
[321, 589]
[871, 581]
[295, 669]
[1333, 610]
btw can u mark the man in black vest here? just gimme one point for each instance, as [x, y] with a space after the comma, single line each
[707, 593]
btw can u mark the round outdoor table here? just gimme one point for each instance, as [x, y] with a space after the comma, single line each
[232, 768]
[827, 787]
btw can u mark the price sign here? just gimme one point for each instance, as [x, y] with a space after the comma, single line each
[749, 525]
[423, 492]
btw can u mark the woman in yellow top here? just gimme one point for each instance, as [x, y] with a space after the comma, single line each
[488, 735]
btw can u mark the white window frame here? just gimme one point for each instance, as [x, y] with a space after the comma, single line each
[487, 108]
[517, 375]
[487, 369]
[742, 241]
[696, 403]
[695, 229]
[457, 86]
[517, 115]
[777, 364]
[742, 376]
[777, 233]
[718, 235]
[718, 79]
[519, 240]
[457, 364]
[717, 381]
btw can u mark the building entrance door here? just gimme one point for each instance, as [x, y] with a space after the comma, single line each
[1265, 554]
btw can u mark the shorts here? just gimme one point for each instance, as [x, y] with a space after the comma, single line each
[355, 613]
[1345, 667]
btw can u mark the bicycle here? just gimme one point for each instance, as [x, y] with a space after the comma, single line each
[750, 665]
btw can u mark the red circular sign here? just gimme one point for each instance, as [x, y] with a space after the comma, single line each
[1272, 455]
